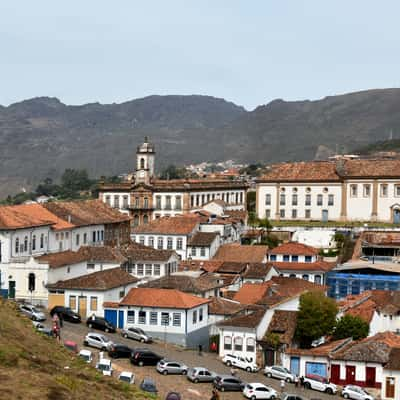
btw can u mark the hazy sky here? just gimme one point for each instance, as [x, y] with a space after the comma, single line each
[248, 51]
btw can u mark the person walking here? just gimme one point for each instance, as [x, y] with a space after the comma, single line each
[215, 395]
[282, 385]
[296, 381]
[302, 382]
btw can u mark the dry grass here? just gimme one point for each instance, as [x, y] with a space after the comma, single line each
[33, 366]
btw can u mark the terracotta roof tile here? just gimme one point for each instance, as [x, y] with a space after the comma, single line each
[257, 271]
[161, 298]
[197, 265]
[203, 239]
[394, 360]
[322, 266]
[110, 304]
[101, 280]
[241, 253]
[295, 249]
[251, 320]
[138, 252]
[325, 350]
[372, 168]
[251, 293]
[229, 267]
[62, 258]
[221, 306]
[179, 225]
[283, 323]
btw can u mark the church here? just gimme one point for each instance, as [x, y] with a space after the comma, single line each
[144, 197]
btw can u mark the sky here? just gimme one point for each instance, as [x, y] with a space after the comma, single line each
[249, 51]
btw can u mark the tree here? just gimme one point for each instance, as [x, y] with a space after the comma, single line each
[316, 317]
[351, 326]
[251, 201]
[73, 181]
[172, 172]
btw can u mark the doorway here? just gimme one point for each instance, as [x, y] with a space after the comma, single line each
[82, 307]
[350, 374]
[370, 376]
[11, 289]
[396, 216]
[335, 373]
[389, 392]
[324, 215]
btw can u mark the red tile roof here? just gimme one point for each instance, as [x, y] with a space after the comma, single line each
[283, 323]
[295, 249]
[241, 253]
[251, 293]
[197, 265]
[161, 298]
[325, 350]
[319, 266]
[179, 225]
[221, 306]
[244, 321]
[203, 239]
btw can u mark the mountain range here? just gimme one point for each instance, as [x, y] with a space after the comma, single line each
[41, 137]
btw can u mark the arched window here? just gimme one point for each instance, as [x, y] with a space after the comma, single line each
[31, 282]
[227, 343]
[33, 242]
[250, 344]
[42, 241]
[169, 243]
[136, 220]
[318, 279]
[142, 163]
[26, 243]
[17, 245]
[305, 277]
[292, 276]
[145, 219]
[238, 343]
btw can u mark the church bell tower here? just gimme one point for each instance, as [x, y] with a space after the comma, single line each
[145, 155]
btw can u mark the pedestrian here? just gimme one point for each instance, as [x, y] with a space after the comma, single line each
[215, 395]
[302, 381]
[56, 332]
[61, 320]
[282, 385]
[200, 349]
[213, 347]
[296, 381]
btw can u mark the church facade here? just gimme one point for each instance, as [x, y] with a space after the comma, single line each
[144, 197]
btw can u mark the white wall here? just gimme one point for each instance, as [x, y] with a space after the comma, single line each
[120, 195]
[303, 361]
[313, 238]
[384, 322]
[172, 262]
[244, 334]
[200, 198]
[360, 369]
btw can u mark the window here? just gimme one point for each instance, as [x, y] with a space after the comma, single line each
[140, 269]
[286, 258]
[178, 203]
[282, 213]
[131, 317]
[308, 200]
[125, 202]
[282, 199]
[141, 240]
[157, 269]
[295, 258]
[108, 200]
[146, 202]
[176, 319]
[169, 243]
[142, 317]
[26, 243]
[294, 199]
[33, 242]
[200, 315]
[384, 190]
[137, 202]
[308, 214]
[267, 199]
[98, 236]
[179, 243]
[250, 344]
[158, 202]
[241, 197]
[305, 277]
[238, 343]
[85, 238]
[192, 201]
[203, 199]
[308, 258]
[164, 319]
[72, 302]
[151, 241]
[136, 220]
[318, 279]
[397, 190]
[142, 163]
[57, 236]
[94, 236]
[197, 200]
[353, 190]
[202, 251]
[93, 303]
[42, 241]
[167, 202]
[272, 257]
[89, 266]
[160, 243]
[294, 213]
[319, 200]
[149, 269]
[367, 190]
[193, 252]
[31, 282]
[116, 201]
[194, 316]
[227, 343]
[267, 214]
[331, 199]
[145, 219]
[153, 318]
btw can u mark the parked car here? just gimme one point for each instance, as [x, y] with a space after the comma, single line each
[319, 383]
[72, 346]
[279, 372]
[173, 396]
[127, 377]
[145, 357]
[148, 385]
[256, 391]
[66, 314]
[200, 374]
[98, 340]
[166, 367]
[86, 355]
[41, 328]
[356, 393]
[105, 366]
[240, 362]
[228, 383]
[289, 396]
[100, 323]
[119, 351]
[32, 312]
[136, 334]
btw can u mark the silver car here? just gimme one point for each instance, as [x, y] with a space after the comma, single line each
[279, 372]
[166, 367]
[33, 313]
[356, 393]
[98, 340]
[136, 334]
[200, 374]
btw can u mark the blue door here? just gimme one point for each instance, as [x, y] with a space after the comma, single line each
[324, 215]
[111, 316]
[120, 319]
[396, 216]
[295, 365]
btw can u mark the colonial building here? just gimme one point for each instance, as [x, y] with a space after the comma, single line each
[145, 198]
[341, 190]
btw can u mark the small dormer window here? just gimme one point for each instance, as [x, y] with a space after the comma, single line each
[295, 258]
[286, 257]
[308, 258]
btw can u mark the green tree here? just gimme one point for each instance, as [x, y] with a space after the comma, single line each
[351, 326]
[251, 201]
[316, 317]
[73, 181]
[173, 172]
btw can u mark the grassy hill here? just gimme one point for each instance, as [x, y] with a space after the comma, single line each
[33, 366]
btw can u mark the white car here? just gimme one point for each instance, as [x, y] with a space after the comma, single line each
[356, 393]
[127, 377]
[256, 391]
[319, 383]
[98, 340]
[279, 372]
[240, 362]
[105, 366]
[86, 355]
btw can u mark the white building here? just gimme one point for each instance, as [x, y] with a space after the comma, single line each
[342, 190]
[391, 377]
[203, 245]
[166, 314]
